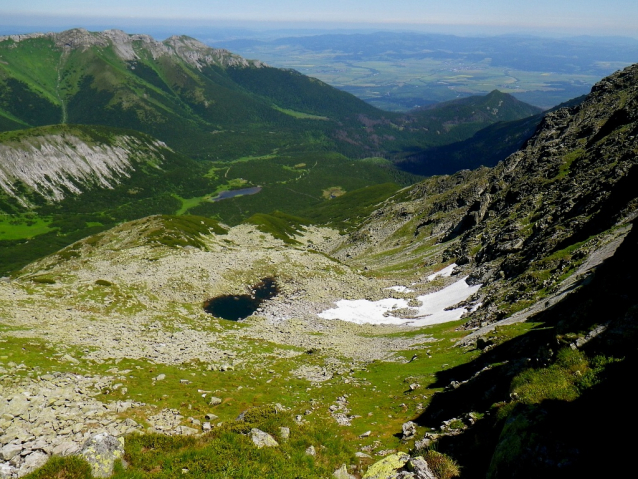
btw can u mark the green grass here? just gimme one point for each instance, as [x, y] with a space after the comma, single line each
[279, 225]
[568, 159]
[186, 230]
[571, 373]
[13, 227]
[300, 115]
[344, 211]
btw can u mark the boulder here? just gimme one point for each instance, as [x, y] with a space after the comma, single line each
[409, 430]
[388, 467]
[419, 467]
[101, 451]
[65, 448]
[6, 471]
[342, 473]
[262, 439]
[32, 462]
[310, 451]
[9, 451]
[214, 401]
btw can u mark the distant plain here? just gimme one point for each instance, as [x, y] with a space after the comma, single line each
[401, 71]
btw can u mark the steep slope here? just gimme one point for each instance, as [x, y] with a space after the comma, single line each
[53, 162]
[516, 227]
[485, 148]
[206, 102]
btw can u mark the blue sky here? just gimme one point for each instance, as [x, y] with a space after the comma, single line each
[572, 17]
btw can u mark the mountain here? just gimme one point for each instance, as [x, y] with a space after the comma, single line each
[105, 127]
[456, 120]
[208, 103]
[193, 97]
[485, 148]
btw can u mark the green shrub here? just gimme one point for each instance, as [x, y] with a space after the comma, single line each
[43, 280]
[443, 466]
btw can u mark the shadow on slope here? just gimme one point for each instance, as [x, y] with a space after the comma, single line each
[578, 434]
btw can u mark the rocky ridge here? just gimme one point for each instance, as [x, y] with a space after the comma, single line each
[128, 46]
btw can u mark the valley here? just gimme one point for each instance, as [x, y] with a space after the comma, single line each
[470, 324]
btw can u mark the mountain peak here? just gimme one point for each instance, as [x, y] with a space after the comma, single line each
[128, 46]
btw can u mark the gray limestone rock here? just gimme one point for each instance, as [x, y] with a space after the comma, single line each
[7, 471]
[65, 448]
[9, 451]
[409, 430]
[214, 401]
[186, 431]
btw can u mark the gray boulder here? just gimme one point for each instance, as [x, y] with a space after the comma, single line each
[342, 473]
[409, 430]
[32, 462]
[262, 439]
[419, 467]
[9, 451]
[101, 451]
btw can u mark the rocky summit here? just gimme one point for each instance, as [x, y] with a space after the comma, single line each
[471, 325]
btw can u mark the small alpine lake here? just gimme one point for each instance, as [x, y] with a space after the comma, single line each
[236, 307]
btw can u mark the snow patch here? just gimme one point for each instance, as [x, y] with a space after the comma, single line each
[444, 273]
[432, 309]
[401, 289]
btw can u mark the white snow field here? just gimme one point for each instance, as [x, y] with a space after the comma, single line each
[431, 311]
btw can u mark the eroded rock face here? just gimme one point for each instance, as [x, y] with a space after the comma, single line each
[53, 165]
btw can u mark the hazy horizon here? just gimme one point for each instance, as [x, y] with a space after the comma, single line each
[457, 17]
